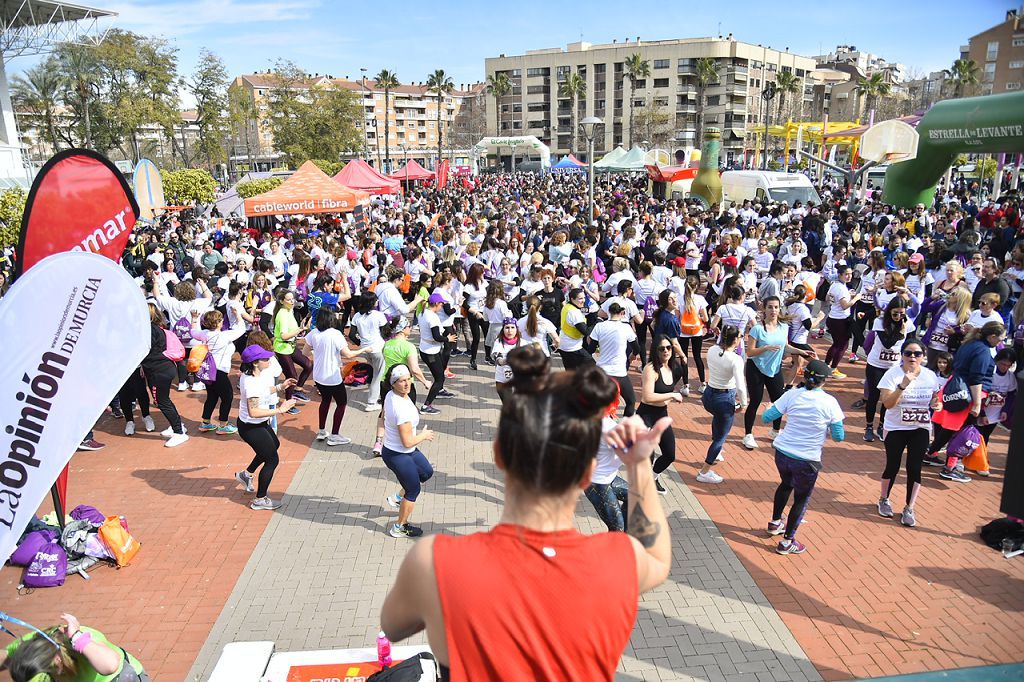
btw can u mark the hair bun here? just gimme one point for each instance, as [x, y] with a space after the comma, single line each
[530, 369]
[592, 390]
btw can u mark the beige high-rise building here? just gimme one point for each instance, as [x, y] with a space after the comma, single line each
[999, 52]
[411, 113]
[664, 104]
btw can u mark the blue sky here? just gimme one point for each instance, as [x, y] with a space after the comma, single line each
[414, 38]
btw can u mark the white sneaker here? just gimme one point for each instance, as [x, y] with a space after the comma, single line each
[774, 434]
[182, 386]
[321, 434]
[686, 391]
[709, 477]
[749, 443]
[148, 423]
[129, 428]
[176, 440]
[264, 503]
[338, 440]
[720, 458]
[372, 407]
[199, 386]
[169, 431]
[703, 387]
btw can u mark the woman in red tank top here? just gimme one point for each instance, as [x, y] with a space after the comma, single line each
[533, 599]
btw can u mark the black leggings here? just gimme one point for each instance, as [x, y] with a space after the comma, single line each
[840, 332]
[641, 338]
[574, 359]
[134, 390]
[288, 362]
[435, 363]
[339, 395]
[160, 378]
[756, 383]
[872, 376]
[263, 441]
[628, 395]
[477, 329]
[914, 442]
[860, 325]
[219, 389]
[667, 444]
[692, 345]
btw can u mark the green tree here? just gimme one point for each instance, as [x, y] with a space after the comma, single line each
[498, 86]
[707, 74]
[787, 84]
[12, 207]
[37, 96]
[388, 81]
[329, 167]
[655, 124]
[251, 188]
[871, 89]
[964, 73]
[636, 68]
[242, 117]
[189, 186]
[79, 68]
[208, 85]
[310, 121]
[572, 87]
[440, 84]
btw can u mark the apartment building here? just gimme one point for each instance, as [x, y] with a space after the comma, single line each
[669, 96]
[999, 52]
[411, 115]
[865, 62]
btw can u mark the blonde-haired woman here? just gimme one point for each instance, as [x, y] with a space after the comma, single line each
[948, 323]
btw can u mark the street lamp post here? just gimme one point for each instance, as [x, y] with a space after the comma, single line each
[589, 128]
[405, 156]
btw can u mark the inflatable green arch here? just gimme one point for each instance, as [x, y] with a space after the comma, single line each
[994, 123]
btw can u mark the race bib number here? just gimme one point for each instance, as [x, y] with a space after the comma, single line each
[996, 399]
[507, 373]
[940, 338]
[888, 355]
[915, 415]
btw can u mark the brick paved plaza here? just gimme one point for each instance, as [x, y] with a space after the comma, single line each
[869, 598]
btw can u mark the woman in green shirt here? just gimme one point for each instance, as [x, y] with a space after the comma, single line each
[398, 350]
[70, 653]
[286, 331]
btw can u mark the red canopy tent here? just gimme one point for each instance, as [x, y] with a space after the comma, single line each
[412, 171]
[309, 190]
[576, 161]
[358, 174]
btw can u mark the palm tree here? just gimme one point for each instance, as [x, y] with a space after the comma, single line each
[38, 92]
[572, 87]
[498, 86]
[440, 84]
[871, 88]
[388, 81]
[964, 73]
[636, 68]
[707, 74]
[785, 83]
[81, 70]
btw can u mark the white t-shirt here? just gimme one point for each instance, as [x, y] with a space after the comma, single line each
[913, 409]
[428, 320]
[497, 313]
[917, 283]
[977, 320]
[326, 347]
[836, 293]
[808, 416]
[544, 327]
[573, 317]
[398, 410]
[261, 387]
[389, 300]
[608, 463]
[368, 326]
[740, 316]
[476, 296]
[1002, 386]
[627, 303]
[502, 371]
[881, 357]
[943, 328]
[699, 303]
[613, 337]
[798, 314]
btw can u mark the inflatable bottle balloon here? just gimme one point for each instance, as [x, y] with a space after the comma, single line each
[707, 186]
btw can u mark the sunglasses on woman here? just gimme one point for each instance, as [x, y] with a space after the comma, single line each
[663, 348]
[913, 353]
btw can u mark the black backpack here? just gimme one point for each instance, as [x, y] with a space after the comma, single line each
[996, 533]
[409, 670]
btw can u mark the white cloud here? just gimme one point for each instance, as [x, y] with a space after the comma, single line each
[184, 17]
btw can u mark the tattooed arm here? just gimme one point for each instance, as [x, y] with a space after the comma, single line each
[648, 528]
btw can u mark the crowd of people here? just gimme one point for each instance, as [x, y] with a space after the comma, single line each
[509, 276]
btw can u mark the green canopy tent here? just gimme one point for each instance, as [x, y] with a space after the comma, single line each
[632, 161]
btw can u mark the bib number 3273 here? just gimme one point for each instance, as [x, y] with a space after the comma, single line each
[915, 415]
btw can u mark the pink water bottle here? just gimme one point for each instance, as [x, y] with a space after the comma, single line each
[383, 650]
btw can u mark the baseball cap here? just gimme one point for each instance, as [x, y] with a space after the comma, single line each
[435, 298]
[254, 353]
[817, 371]
[730, 260]
[916, 258]
[679, 262]
[399, 372]
[352, 254]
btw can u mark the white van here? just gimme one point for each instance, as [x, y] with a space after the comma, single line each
[768, 186]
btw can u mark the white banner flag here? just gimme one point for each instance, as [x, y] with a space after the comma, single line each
[74, 327]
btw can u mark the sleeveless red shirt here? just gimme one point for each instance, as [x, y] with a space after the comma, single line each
[524, 605]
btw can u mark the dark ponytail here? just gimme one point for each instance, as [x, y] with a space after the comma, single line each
[550, 425]
[728, 337]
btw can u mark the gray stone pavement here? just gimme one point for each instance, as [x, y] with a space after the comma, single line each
[321, 570]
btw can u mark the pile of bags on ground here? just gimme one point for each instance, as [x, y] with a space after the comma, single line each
[50, 553]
